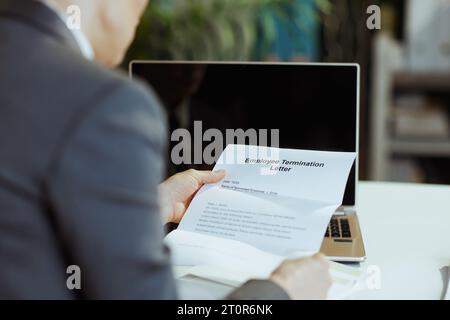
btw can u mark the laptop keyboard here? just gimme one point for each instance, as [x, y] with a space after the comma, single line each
[338, 228]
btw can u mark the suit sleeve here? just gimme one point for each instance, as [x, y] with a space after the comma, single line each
[103, 191]
[259, 290]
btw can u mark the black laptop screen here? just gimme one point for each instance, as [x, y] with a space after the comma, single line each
[313, 106]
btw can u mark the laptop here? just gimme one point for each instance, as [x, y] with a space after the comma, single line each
[303, 106]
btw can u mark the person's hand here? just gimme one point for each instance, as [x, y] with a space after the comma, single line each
[304, 279]
[177, 191]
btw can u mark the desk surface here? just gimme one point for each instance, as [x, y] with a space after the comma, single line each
[406, 230]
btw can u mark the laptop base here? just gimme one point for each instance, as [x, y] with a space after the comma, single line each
[343, 240]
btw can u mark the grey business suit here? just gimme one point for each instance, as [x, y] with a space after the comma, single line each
[80, 160]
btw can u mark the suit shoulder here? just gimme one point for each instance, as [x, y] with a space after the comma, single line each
[93, 83]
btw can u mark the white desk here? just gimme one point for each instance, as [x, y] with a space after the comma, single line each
[406, 230]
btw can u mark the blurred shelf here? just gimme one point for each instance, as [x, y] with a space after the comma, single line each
[420, 148]
[392, 83]
[435, 81]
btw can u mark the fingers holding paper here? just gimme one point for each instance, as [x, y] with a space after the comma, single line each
[177, 192]
[305, 278]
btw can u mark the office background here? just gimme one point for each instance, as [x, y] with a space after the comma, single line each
[405, 66]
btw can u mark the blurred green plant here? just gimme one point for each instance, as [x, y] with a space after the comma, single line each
[216, 29]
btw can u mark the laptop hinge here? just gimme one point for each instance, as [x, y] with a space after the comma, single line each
[340, 211]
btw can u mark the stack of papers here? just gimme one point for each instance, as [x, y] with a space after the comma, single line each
[232, 263]
[346, 280]
[273, 204]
